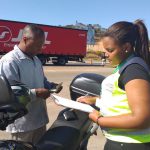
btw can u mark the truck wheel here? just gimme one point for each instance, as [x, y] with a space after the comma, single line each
[61, 61]
[55, 63]
[43, 61]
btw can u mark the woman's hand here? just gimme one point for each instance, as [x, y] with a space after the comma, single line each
[94, 116]
[87, 99]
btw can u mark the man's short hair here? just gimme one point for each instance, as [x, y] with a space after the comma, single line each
[32, 30]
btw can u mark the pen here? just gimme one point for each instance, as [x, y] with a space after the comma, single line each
[86, 94]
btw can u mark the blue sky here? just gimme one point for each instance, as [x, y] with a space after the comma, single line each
[64, 12]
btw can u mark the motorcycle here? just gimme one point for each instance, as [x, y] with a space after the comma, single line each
[71, 129]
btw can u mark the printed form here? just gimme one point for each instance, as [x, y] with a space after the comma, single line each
[71, 104]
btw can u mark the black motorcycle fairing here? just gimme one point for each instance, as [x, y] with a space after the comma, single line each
[16, 145]
[69, 134]
[86, 84]
[10, 108]
[9, 113]
[64, 134]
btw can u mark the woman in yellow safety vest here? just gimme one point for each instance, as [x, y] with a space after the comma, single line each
[124, 102]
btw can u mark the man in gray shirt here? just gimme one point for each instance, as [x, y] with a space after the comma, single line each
[22, 65]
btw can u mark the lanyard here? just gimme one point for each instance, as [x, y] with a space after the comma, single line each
[122, 63]
[119, 66]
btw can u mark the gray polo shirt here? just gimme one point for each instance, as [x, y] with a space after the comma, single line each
[17, 66]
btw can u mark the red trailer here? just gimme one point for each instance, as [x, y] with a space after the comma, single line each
[61, 44]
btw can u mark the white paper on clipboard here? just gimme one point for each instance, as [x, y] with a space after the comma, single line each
[72, 104]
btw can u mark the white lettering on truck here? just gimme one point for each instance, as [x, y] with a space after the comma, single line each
[5, 31]
[5, 34]
[17, 39]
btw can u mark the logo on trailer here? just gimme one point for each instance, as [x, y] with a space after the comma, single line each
[5, 34]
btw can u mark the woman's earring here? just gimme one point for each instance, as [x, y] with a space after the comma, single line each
[126, 51]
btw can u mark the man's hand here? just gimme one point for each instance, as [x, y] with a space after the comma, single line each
[42, 93]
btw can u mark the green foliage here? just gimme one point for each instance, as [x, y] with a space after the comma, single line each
[70, 26]
[99, 31]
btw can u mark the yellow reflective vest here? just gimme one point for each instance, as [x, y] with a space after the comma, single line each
[114, 102]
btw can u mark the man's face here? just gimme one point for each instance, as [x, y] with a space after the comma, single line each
[34, 45]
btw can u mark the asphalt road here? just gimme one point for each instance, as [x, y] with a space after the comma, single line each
[65, 74]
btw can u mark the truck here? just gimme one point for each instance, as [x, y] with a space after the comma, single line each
[61, 45]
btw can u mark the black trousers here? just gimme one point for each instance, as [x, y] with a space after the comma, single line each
[112, 145]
